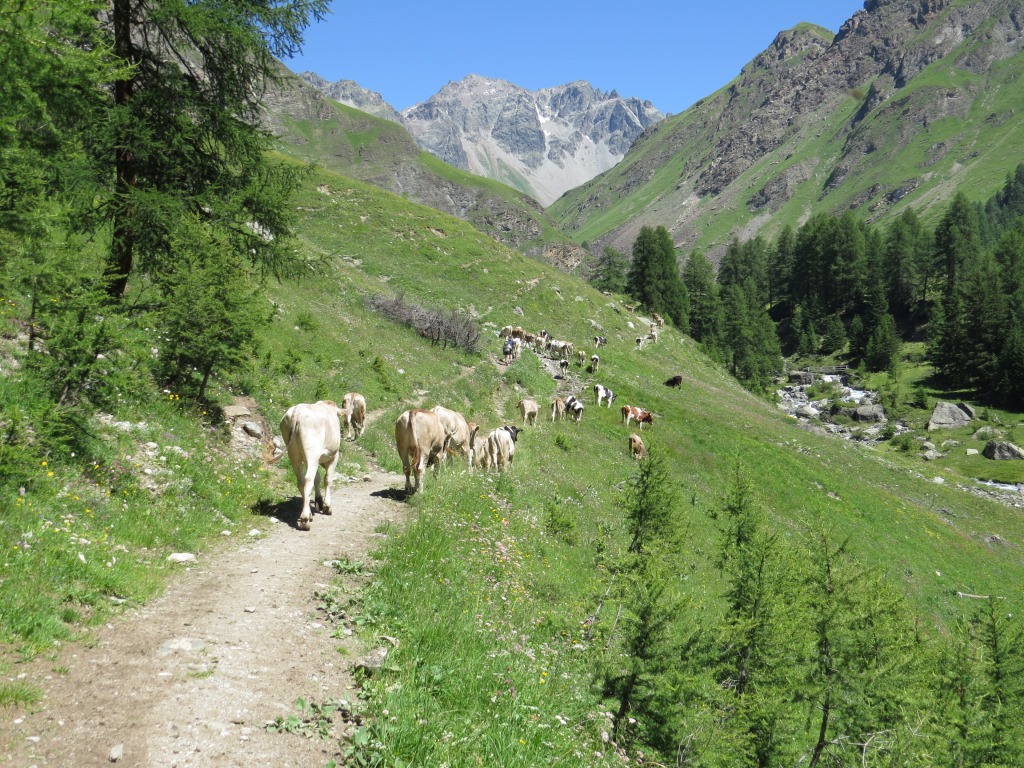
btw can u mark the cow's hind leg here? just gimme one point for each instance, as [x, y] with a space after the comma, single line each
[310, 491]
[325, 508]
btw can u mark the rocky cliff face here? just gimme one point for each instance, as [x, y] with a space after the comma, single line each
[892, 105]
[351, 93]
[540, 142]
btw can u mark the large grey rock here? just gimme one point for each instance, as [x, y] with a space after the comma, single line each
[950, 416]
[236, 411]
[870, 413]
[1002, 450]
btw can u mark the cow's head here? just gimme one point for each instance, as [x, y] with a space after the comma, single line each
[513, 432]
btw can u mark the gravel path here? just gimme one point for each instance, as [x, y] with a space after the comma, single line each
[190, 679]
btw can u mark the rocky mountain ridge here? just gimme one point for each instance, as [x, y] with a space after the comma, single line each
[895, 109]
[541, 142]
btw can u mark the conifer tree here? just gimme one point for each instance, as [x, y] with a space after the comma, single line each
[654, 277]
[610, 271]
[180, 135]
[705, 306]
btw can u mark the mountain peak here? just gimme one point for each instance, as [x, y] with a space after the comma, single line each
[541, 142]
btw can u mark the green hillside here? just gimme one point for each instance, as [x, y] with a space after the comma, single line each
[347, 141]
[530, 553]
[732, 165]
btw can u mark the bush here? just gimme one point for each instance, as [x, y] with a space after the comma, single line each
[904, 443]
[440, 326]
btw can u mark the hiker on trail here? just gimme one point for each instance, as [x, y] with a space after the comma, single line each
[507, 351]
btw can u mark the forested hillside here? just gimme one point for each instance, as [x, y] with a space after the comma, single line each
[751, 593]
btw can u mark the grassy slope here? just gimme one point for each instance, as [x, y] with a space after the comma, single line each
[711, 423]
[490, 587]
[366, 147]
[490, 584]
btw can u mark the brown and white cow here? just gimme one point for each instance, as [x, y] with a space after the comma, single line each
[557, 409]
[631, 412]
[458, 430]
[421, 441]
[581, 356]
[312, 434]
[529, 410]
[501, 446]
[637, 449]
[603, 394]
[658, 319]
[354, 407]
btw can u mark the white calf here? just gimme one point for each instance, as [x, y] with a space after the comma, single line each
[501, 446]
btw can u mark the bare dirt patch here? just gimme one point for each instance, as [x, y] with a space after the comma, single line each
[192, 678]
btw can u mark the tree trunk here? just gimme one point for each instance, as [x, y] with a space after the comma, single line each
[123, 242]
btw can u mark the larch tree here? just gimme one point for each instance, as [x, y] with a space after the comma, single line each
[181, 137]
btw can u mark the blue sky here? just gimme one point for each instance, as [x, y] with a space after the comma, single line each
[672, 53]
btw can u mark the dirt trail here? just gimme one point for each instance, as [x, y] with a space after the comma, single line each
[190, 679]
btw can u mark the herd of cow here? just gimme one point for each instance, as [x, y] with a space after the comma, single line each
[312, 431]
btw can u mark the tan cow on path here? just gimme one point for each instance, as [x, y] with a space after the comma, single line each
[312, 434]
[421, 440]
[529, 410]
[637, 449]
[459, 432]
[354, 407]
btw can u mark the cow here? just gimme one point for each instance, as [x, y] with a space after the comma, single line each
[529, 410]
[630, 412]
[501, 446]
[557, 409]
[458, 430]
[354, 407]
[581, 356]
[640, 342]
[574, 408]
[676, 381]
[312, 434]
[421, 441]
[477, 448]
[563, 366]
[517, 347]
[653, 335]
[600, 341]
[595, 363]
[506, 331]
[603, 394]
[637, 449]
[658, 319]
